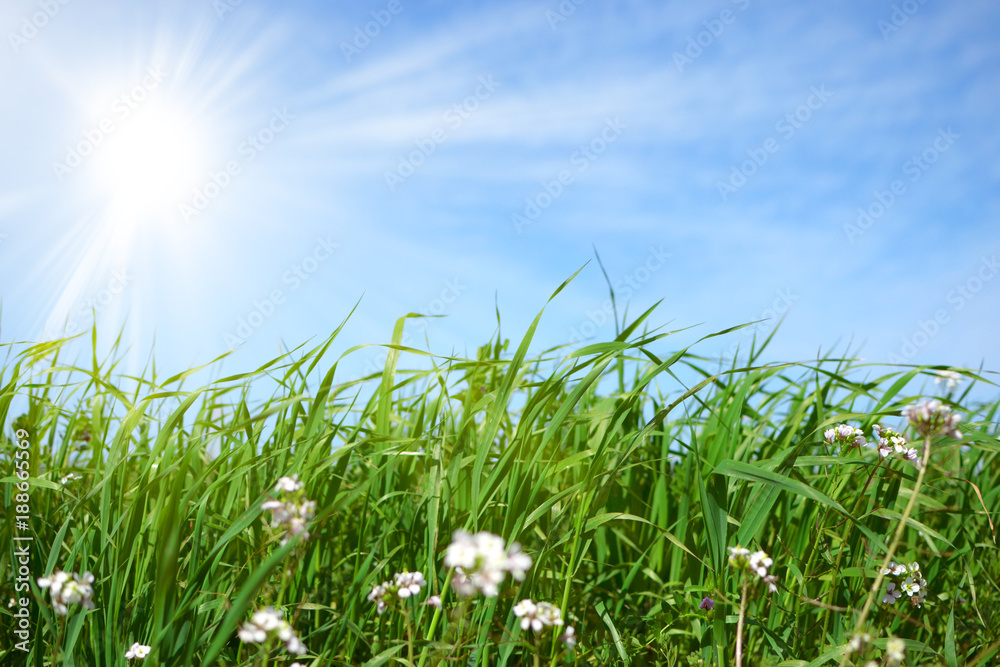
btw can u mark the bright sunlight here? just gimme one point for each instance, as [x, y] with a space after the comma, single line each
[149, 163]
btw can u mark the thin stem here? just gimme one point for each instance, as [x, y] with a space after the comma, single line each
[897, 538]
[739, 624]
[806, 573]
[840, 552]
[434, 621]
[409, 631]
[570, 565]
[59, 638]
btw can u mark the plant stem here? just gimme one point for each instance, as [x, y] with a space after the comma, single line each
[409, 631]
[572, 560]
[897, 538]
[739, 624]
[434, 620]
[59, 638]
[813, 551]
[840, 552]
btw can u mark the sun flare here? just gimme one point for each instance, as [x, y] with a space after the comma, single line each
[149, 164]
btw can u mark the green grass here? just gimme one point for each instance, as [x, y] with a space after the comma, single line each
[624, 479]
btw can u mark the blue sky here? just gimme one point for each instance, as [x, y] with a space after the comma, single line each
[206, 175]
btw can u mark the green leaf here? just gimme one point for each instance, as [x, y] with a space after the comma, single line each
[753, 473]
[950, 655]
[603, 613]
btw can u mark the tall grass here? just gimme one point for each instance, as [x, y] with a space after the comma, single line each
[622, 477]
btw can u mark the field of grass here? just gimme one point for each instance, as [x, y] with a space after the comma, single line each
[624, 480]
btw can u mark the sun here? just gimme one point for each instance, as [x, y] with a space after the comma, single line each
[149, 164]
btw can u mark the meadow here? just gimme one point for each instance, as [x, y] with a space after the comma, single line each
[624, 488]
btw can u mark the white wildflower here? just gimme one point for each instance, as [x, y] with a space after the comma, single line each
[292, 510]
[267, 619]
[518, 562]
[380, 595]
[251, 634]
[757, 562]
[404, 585]
[481, 562]
[288, 484]
[895, 569]
[889, 441]
[66, 589]
[844, 435]
[569, 637]
[932, 418]
[859, 643]
[949, 378]
[914, 586]
[138, 652]
[738, 557]
[409, 583]
[537, 616]
[895, 651]
[269, 622]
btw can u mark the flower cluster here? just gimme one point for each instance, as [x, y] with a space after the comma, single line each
[895, 652]
[845, 436]
[537, 616]
[757, 562]
[859, 643]
[266, 624]
[889, 441]
[932, 418]
[292, 510]
[949, 378]
[67, 589]
[481, 562]
[404, 585]
[138, 651]
[914, 586]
